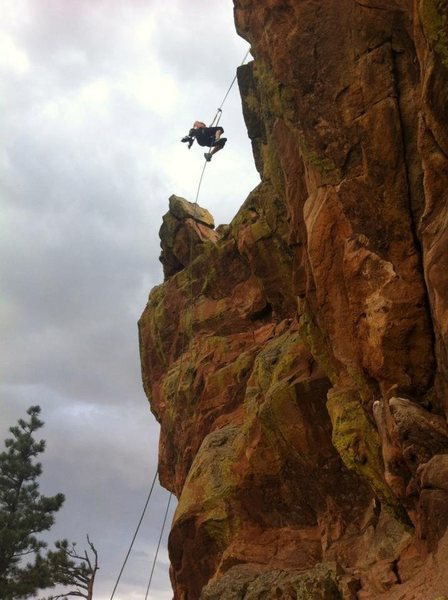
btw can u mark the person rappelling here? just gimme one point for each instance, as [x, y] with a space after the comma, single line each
[209, 137]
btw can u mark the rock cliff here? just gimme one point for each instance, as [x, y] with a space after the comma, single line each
[297, 358]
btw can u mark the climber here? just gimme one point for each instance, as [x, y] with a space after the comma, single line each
[206, 136]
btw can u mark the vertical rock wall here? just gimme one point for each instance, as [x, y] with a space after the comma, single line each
[297, 358]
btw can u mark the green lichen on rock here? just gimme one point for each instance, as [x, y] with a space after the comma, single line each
[319, 584]
[272, 166]
[172, 298]
[218, 530]
[434, 16]
[358, 443]
[269, 90]
[263, 214]
[230, 375]
[250, 582]
[211, 483]
[176, 387]
[277, 406]
[260, 231]
[156, 319]
[277, 101]
[276, 362]
[313, 338]
[323, 164]
[208, 315]
[326, 167]
[362, 385]
[274, 102]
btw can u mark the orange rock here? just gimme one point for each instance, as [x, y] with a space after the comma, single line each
[297, 359]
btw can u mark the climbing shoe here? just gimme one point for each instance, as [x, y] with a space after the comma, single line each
[187, 140]
[208, 156]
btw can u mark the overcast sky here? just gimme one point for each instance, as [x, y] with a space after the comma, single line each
[94, 98]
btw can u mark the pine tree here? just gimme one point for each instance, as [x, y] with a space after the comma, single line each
[24, 512]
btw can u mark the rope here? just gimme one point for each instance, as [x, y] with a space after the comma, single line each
[234, 79]
[215, 121]
[192, 299]
[219, 110]
[135, 535]
[158, 546]
[199, 185]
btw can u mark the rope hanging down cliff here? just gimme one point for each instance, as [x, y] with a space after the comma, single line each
[214, 123]
[158, 546]
[134, 536]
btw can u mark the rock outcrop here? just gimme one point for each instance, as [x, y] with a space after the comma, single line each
[297, 359]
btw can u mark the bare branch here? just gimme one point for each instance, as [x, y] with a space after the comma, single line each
[77, 569]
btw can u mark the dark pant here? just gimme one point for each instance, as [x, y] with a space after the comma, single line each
[206, 135]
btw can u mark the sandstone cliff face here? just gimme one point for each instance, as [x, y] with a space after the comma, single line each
[297, 359]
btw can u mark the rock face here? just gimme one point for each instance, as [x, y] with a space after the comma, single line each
[185, 228]
[297, 359]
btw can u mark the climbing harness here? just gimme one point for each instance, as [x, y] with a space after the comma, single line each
[216, 118]
[214, 123]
